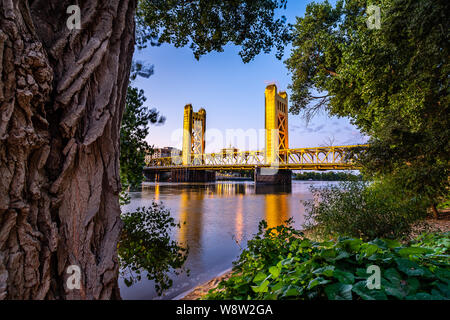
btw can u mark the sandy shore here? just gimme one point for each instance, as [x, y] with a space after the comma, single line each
[442, 224]
[203, 289]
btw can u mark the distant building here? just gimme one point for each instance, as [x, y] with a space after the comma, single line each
[162, 153]
[229, 151]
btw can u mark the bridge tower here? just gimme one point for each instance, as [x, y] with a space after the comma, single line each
[194, 124]
[277, 138]
[276, 119]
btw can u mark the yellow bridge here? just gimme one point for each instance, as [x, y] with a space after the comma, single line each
[321, 158]
[275, 161]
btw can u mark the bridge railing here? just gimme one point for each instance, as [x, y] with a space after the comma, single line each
[335, 155]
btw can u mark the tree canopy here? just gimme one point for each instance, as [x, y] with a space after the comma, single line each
[392, 82]
[209, 25]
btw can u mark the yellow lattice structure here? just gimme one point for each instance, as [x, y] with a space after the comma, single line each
[322, 158]
[276, 122]
[194, 125]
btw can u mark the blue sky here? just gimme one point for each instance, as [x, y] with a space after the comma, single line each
[231, 92]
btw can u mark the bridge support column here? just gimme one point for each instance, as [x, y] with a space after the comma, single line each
[157, 176]
[188, 175]
[270, 176]
[150, 176]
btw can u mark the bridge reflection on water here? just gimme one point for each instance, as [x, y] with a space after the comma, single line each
[216, 219]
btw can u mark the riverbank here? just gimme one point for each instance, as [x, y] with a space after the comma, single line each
[442, 224]
[203, 289]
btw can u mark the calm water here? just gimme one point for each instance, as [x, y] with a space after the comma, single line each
[220, 217]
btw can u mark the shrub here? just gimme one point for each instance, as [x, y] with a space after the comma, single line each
[357, 209]
[280, 263]
[146, 246]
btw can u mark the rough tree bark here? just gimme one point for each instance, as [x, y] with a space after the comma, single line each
[62, 94]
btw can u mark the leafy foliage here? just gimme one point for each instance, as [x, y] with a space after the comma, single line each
[327, 176]
[141, 69]
[209, 25]
[280, 263]
[146, 247]
[392, 82]
[134, 129]
[357, 209]
[445, 204]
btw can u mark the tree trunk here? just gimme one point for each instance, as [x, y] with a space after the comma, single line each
[434, 211]
[62, 94]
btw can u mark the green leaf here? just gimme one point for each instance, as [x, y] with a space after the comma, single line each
[277, 286]
[421, 296]
[316, 282]
[263, 287]
[339, 291]
[344, 276]
[413, 284]
[391, 244]
[410, 267]
[328, 254]
[392, 275]
[353, 244]
[260, 276]
[361, 273]
[342, 255]
[445, 289]
[443, 274]
[396, 291]
[326, 271]
[292, 290]
[360, 288]
[275, 271]
[413, 251]
[369, 249]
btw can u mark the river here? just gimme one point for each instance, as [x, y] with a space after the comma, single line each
[219, 219]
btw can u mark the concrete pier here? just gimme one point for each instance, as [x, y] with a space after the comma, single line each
[271, 176]
[187, 175]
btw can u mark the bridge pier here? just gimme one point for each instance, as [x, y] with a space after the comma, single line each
[188, 175]
[269, 176]
[157, 176]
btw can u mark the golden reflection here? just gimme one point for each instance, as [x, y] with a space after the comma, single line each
[191, 216]
[277, 209]
[239, 223]
[230, 189]
[157, 192]
[182, 233]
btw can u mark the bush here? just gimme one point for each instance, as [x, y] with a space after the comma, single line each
[327, 176]
[280, 263]
[357, 209]
[146, 246]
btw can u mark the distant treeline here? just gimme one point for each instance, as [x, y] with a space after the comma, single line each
[327, 176]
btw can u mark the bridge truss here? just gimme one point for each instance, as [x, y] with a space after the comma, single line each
[320, 158]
